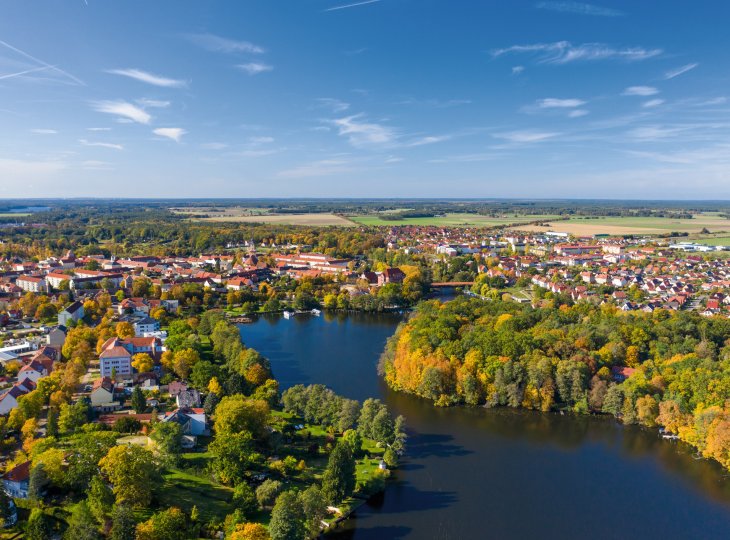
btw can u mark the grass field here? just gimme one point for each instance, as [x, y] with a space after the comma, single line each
[450, 220]
[712, 241]
[261, 215]
[582, 226]
[14, 214]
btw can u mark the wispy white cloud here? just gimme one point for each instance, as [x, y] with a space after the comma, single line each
[149, 78]
[563, 52]
[171, 133]
[42, 131]
[526, 136]
[333, 104]
[714, 101]
[654, 133]
[124, 110]
[153, 103]
[577, 113]
[38, 65]
[432, 139]
[554, 103]
[393, 159]
[652, 103]
[361, 132]
[98, 129]
[516, 70]
[101, 144]
[679, 71]
[580, 8]
[355, 4]
[254, 68]
[640, 91]
[215, 43]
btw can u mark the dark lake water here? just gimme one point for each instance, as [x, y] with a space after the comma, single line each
[502, 474]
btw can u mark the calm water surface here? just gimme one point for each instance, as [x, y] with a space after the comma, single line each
[502, 474]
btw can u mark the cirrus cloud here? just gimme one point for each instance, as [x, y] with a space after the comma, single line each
[123, 110]
[171, 133]
[149, 78]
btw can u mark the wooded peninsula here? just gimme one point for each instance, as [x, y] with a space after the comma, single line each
[666, 369]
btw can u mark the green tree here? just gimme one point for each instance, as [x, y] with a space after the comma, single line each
[84, 455]
[37, 482]
[210, 403]
[169, 524]
[390, 457]
[383, 429]
[139, 402]
[132, 472]
[167, 436]
[100, 499]
[238, 413]
[37, 527]
[338, 480]
[233, 455]
[314, 507]
[82, 525]
[73, 416]
[52, 422]
[244, 499]
[287, 518]
[267, 492]
[123, 524]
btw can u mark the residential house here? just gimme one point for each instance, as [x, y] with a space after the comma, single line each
[56, 337]
[9, 400]
[33, 370]
[17, 480]
[145, 325]
[102, 395]
[391, 275]
[73, 312]
[192, 421]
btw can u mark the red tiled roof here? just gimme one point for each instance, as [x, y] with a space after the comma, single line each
[19, 473]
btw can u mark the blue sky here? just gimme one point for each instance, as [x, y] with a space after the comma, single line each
[378, 98]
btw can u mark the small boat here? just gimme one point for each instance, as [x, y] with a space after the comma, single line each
[316, 312]
[287, 314]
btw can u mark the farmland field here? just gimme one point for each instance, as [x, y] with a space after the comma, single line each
[260, 215]
[712, 240]
[580, 226]
[450, 220]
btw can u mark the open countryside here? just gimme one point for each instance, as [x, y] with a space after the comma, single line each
[449, 220]
[617, 226]
[258, 215]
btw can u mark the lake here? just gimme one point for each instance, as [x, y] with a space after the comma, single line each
[500, 473]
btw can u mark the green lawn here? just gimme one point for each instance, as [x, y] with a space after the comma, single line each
[13, 214]
[451, 220]
[186, 490]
